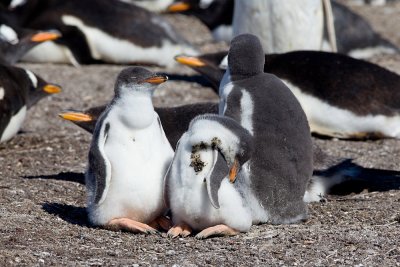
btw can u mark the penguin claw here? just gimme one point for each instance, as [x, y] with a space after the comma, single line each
[182, 230]
[217, 230]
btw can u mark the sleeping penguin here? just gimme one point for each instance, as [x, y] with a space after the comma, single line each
[113, 32]
[274, 175]
[20, 89]
[342, 97]
[128, 158]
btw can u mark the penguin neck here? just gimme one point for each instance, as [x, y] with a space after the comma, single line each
[135, 109]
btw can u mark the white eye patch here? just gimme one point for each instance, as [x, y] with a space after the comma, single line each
[8, 34]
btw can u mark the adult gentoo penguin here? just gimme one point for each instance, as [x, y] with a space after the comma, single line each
[20, 89]
[113, 31]
[128, 157]
[175, 120]
[354, 35]
[274, 178]
[343, 97]
[16, 41]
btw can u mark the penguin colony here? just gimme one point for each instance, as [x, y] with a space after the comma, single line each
[213, 169]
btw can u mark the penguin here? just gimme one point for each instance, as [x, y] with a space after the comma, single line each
[20, 89]
[128, 157]
[354, 35]
[342, 97]
[158, 6]
[113, 32]
[278, 170]
[15, 42]
[175, 120]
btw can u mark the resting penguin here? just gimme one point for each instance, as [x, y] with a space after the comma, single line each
[113, 32]
[276, 174]
[175, 120]
[15, 42]
[128, 157]
[342, 97]
[20, 89]
[354, 35]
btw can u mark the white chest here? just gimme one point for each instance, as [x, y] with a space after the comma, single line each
[14, 125]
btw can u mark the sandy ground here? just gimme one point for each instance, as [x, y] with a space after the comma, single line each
[42, 196]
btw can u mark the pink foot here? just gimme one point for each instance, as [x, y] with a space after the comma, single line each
[217, 230]
[181, 229]
[130, 225]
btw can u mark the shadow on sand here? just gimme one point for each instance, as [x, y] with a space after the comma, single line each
[63, 176]
[69, 213]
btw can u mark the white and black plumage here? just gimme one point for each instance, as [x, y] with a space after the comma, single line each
[343, 97]
[354, 35]
[113, 31]
[128, 157]
[15, 42]
[276, 174]
[20, 89]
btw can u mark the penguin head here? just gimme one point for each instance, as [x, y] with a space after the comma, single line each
[138, 79]
[246, 57]
[85, 119]
[16, 41]
[231, 146]
[38, 88]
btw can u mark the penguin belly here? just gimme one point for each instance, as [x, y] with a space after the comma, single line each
[139, 160]
[338, 122]
[50, 52]
[13, 125]
[106, 47]
[189, 200]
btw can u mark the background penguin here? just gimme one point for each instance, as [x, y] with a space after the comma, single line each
[128, 157]
[114, 32]
[175, 120]
[151, 5]
[15, 42]
[342, 97]
[354, 35]
[20, 89]
[278, 171]
[199, 196]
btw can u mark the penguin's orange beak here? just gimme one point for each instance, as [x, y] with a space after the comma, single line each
[190, 61]
[234, 171]
[157, 79]
[45, 36]
[52, 89]
[75, 116]
[178, 7]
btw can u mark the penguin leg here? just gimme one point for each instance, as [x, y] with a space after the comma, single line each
[217, 230]
[181, 229]
[161, 223]
[130, 225]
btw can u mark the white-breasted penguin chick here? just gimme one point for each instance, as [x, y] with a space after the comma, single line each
[113, 32]
[199, 187]
[20, 89]
[128, 158]
[277, 173]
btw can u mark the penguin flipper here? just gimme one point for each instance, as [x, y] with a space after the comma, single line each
[219, 170]
[166, 177]
[99, 171]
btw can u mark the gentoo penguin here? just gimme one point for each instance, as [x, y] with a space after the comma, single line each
[128, 157]
[113, 32]
[20, 89]
[15, 42]
[354, 35]
[175, 120]
[151, 5]
[275, 176]
[343, 97]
